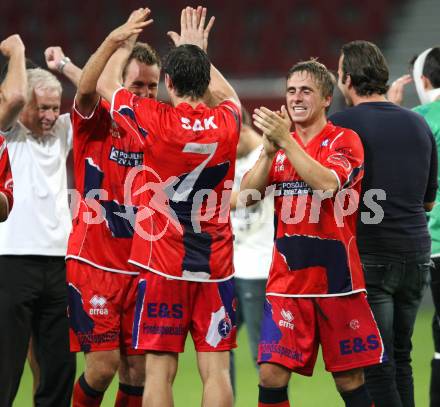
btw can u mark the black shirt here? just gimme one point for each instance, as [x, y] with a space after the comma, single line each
[400, 159]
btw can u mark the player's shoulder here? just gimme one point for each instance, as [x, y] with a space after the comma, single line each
[342, 133]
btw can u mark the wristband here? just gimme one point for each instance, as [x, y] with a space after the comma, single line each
[62, 64]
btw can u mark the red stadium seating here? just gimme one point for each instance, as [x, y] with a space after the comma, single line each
[250, 37]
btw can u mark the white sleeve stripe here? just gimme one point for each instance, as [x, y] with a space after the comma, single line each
[112, 106]
[339, 135]
[85, 117]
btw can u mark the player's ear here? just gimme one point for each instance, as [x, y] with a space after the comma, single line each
[328, 101]
[348, 80]
[168, 82]
[427, 85]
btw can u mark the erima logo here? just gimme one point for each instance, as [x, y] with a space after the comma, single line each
[279, 162]
[98, 304]
[280, 158]
[325, 143]
[286, 322]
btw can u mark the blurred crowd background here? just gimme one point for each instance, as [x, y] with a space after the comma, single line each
[254, 42]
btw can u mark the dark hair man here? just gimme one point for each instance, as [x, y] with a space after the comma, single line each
[394, 243]
[316, 293]
[181, 244]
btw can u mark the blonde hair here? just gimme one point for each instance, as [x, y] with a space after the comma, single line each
[39, 78]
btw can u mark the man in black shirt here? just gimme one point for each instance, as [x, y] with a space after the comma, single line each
[399, 185]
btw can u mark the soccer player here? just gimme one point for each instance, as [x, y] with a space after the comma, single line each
[183, 239]
[394, 243]
[315, 293]
[426, 74]
[12, 100]
[101, 284]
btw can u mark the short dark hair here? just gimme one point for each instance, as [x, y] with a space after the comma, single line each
[321, 75]
[189, 69]
[143, 53]
[431, 68]
[366, 66]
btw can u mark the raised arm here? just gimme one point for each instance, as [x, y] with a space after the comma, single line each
[57, 61]
[193, 31]
[13, 90]
[107, 63]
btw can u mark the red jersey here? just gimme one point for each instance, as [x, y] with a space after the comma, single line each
[103, 224]
[182, 227]
[315, 252]
[5, 174]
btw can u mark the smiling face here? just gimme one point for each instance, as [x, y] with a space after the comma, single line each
[42, 111]
[142, 79]
[304, 99]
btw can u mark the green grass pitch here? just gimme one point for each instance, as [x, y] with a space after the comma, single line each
[318, 390]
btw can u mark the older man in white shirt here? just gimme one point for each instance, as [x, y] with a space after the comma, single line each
[33, 241]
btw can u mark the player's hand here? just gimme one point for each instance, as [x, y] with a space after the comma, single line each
[397, 88]
[131, 29]
[11, 45]
[274, 125]
[192, 28]
[53, 56]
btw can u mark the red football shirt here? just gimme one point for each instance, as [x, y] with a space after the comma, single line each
[182, 227]
[5, 174]
[315, 252]
[103, 224]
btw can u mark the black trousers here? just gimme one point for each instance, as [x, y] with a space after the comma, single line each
[33, 299]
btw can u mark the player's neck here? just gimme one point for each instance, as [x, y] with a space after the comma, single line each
[308, 131]
[189, 100]
[368, 99]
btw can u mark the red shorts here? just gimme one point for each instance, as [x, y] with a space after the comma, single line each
[101, 308]
[167, 309]
[293, 328]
